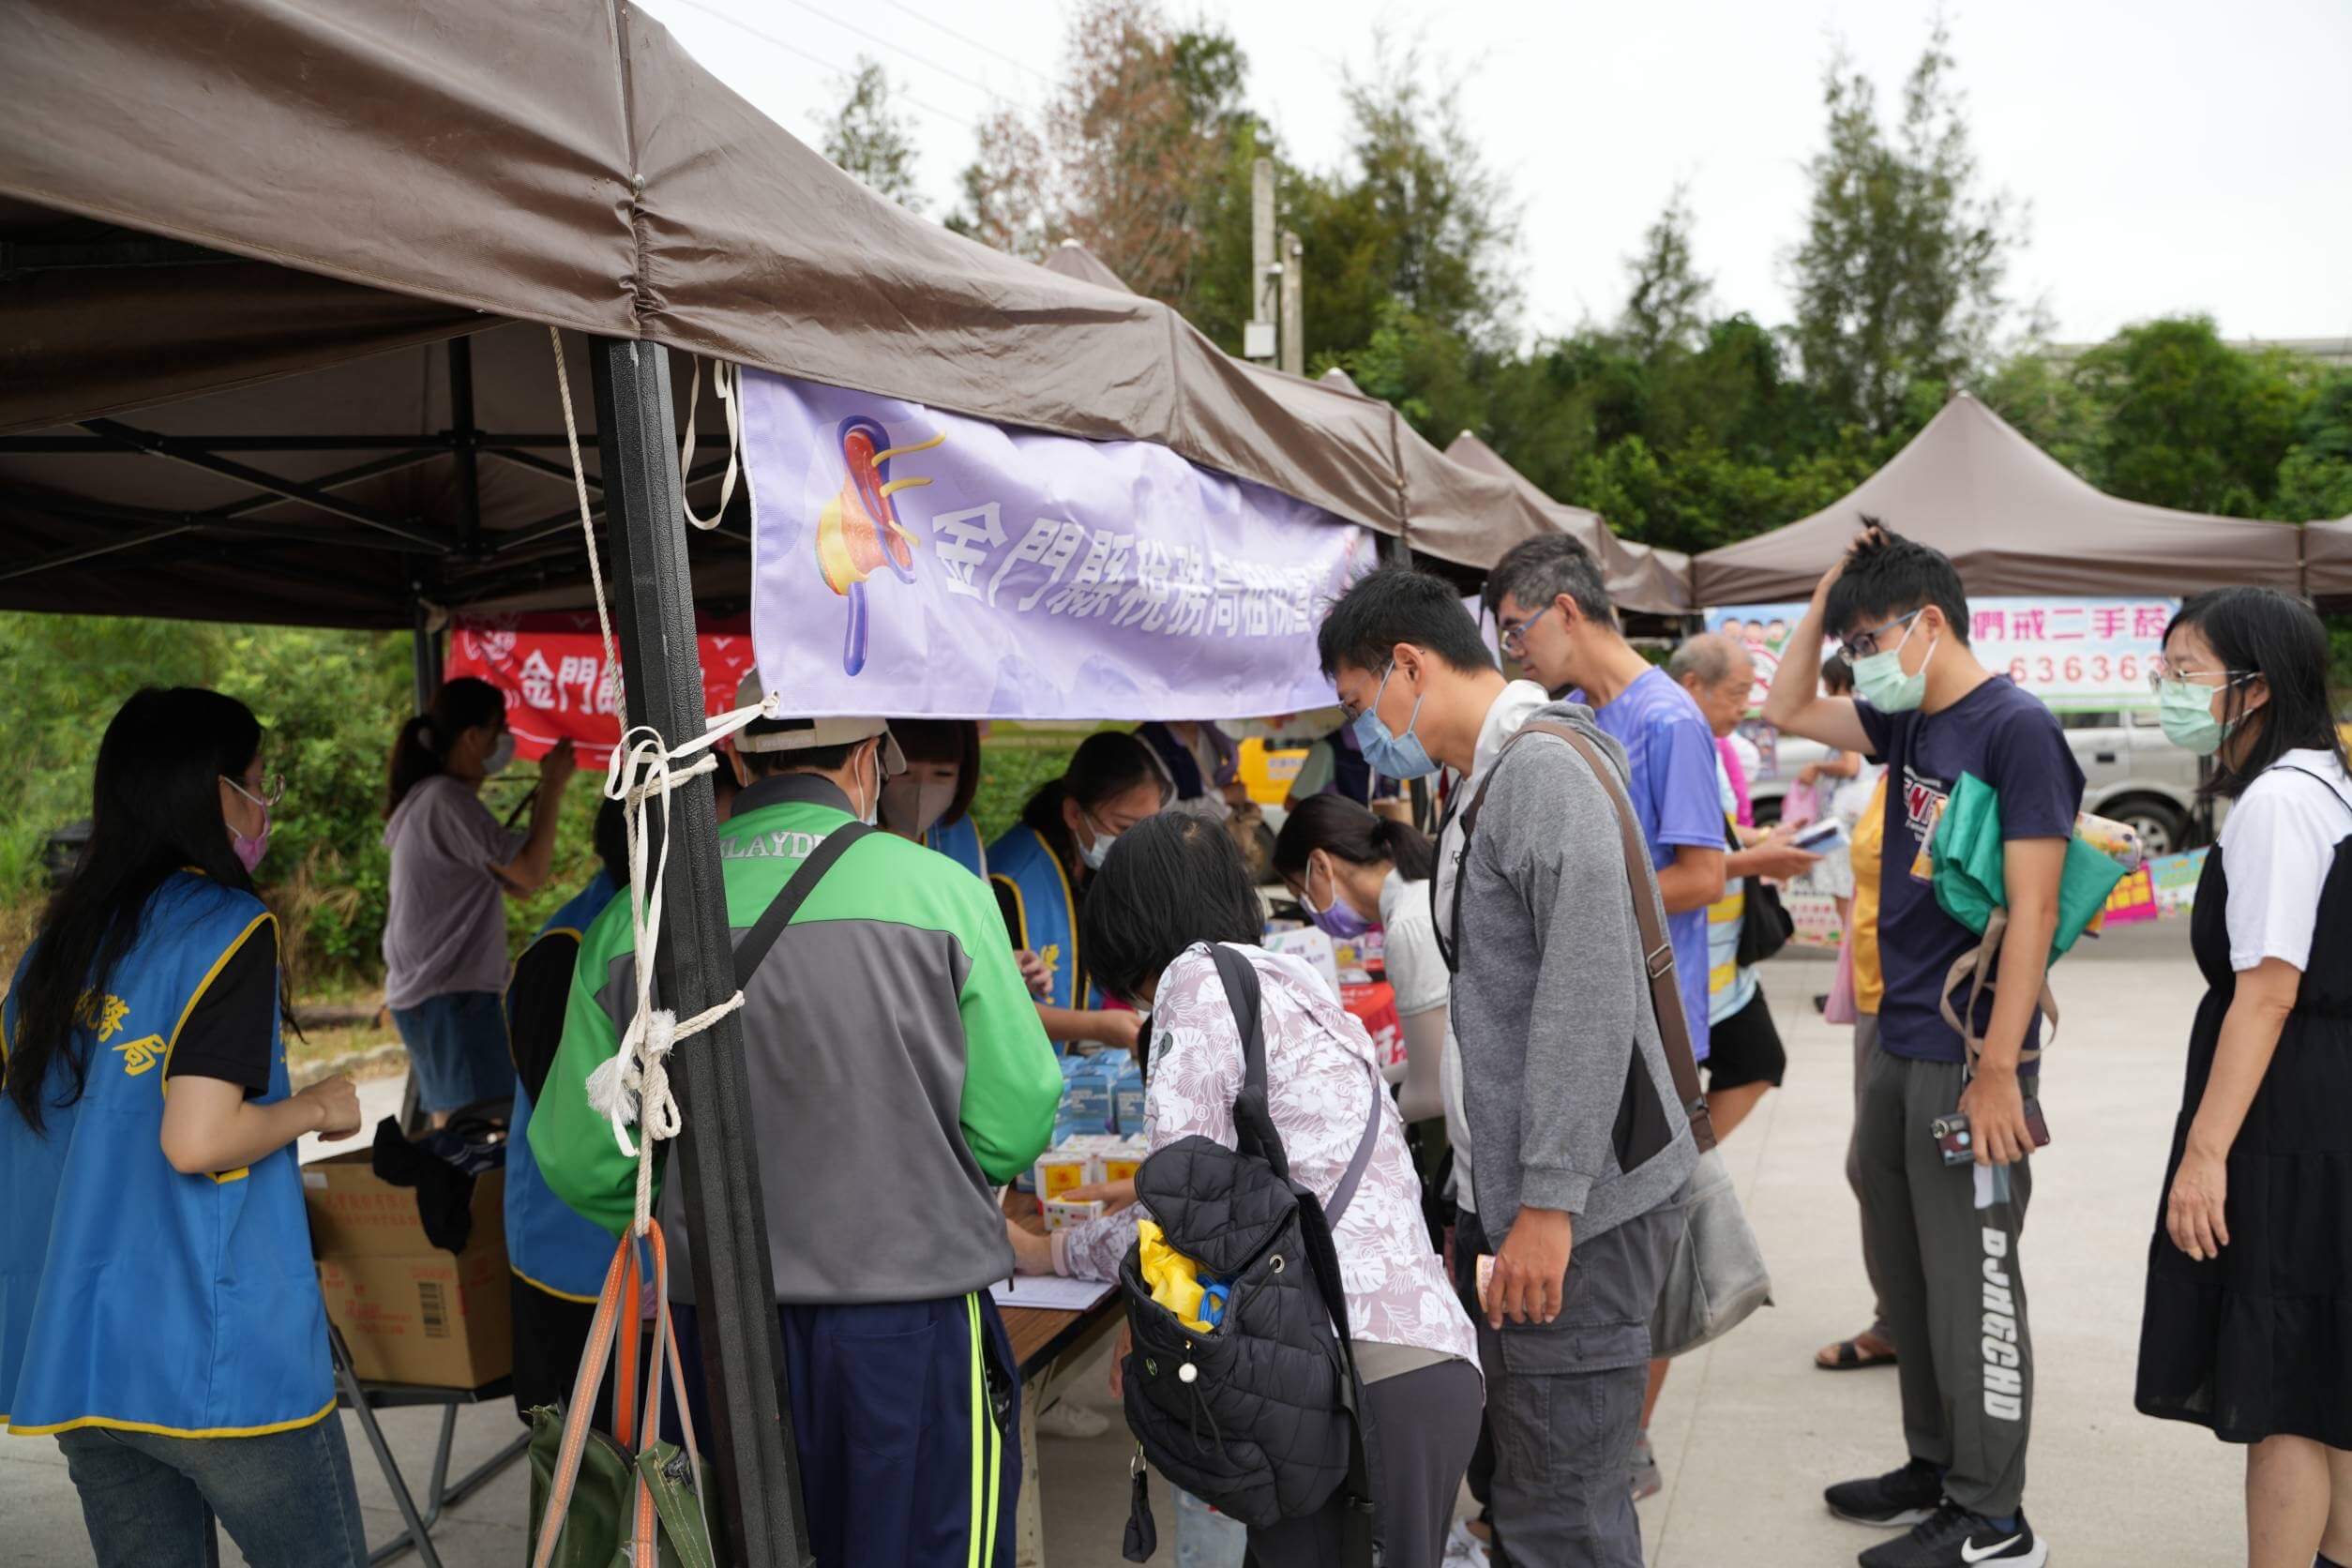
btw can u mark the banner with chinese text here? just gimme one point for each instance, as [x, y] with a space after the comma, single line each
[552, 667]
[2082, 654]
[911, 562]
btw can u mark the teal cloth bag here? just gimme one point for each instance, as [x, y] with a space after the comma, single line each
[1965, 852]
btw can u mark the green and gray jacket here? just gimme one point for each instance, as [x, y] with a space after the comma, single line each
[896, 1065]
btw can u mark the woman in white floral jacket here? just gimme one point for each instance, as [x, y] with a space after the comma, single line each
[1170, 888]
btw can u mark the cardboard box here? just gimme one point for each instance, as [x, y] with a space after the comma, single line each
[411, 1312]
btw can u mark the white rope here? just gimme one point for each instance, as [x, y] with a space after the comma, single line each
[727, 381]
[634, 1085]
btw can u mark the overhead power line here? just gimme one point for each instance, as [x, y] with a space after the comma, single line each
[971, 42]
[838, 69]
[948, 71]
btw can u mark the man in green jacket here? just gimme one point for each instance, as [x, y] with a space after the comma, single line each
[897, 1072]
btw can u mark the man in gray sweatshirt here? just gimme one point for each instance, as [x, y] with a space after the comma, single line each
[1581, 1138]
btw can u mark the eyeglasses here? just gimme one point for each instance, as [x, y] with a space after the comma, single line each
[1514, 635]
[1861, 645]
[273, 788]
[2158, 672]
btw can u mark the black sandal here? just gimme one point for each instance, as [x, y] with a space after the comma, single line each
[1851, 1357]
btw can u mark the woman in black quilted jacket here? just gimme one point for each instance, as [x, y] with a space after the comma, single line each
[1171, 887]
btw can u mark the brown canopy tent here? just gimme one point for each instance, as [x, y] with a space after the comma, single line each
[2013, 519]
[1073, 259]
[2328, 563]
[1641, 578]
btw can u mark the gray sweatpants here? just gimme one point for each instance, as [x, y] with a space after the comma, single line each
[1946, 1245]
[1563, 1402]
[1865, 1042]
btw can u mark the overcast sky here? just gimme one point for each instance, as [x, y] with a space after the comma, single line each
[2176, 156]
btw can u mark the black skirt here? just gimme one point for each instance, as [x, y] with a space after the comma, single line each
[2257, 1342]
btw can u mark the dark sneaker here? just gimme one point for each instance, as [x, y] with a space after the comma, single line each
[1955, 1538]
[1895, 1501]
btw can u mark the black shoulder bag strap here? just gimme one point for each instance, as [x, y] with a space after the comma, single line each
[1253, 1124]
[779, 914]
[1254, 1132]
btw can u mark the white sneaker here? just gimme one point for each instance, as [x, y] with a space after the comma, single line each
[1068, 1418]
[1464, 1549]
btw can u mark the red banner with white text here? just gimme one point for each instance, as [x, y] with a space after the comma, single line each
[552, 667]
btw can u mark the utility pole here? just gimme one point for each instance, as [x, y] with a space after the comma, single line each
[1293, 307]
[1258, 338]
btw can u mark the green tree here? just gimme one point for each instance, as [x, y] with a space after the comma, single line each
[2188, 421]
[1008, 202]
[2052, 409]
[1667, 305]
[1418, 216]
[1899, 278]
[2315, 475]
[863, 138]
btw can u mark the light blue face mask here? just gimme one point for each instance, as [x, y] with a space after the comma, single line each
[1401, 757]
[2185, 710]
[1879, 681]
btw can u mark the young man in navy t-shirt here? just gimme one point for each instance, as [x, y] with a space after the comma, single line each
[1947, 1237]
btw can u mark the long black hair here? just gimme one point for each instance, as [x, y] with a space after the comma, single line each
[1106, 766]
[1338, 826]
[2262, 631]
[1169, 882]
[423, 745]
[154, 809]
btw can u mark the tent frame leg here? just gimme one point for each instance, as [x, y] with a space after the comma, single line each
[715, 1165]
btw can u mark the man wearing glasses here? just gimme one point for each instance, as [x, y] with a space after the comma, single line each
[1947, 1237]
[1556, 619]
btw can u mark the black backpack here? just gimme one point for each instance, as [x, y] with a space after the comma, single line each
[1258, 1415]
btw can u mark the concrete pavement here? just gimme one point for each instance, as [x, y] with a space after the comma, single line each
[1748, 1432]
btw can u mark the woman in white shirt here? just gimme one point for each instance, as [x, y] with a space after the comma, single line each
[2250, 1274]
[1173, 885]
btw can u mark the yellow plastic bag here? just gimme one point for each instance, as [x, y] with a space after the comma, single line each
[1173, 1277]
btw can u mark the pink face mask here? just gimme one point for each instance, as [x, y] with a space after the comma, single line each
[249, 849]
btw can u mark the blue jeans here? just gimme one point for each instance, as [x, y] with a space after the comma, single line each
[457, 1046]
[149, 1501]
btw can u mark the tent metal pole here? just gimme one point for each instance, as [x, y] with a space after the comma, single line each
[425, 653]
[463, 447]
[713, 1165]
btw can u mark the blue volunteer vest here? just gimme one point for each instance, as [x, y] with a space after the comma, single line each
[132, 1296]
[548, 1246]
[1048, 906]
[960, 843]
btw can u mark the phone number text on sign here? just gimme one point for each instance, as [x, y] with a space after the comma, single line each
[2080, 654]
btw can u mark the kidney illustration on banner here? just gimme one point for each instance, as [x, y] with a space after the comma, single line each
[858, 530]
[956, 568]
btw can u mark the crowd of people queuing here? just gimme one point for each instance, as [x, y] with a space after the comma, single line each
[1506, 1216]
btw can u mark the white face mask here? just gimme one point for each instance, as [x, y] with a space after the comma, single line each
[871, 814]
[500, 753]
[1099, 851]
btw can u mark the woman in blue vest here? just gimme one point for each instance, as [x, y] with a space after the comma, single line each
[931, 804]
[557, 1259]
[1042, 865]
[159, 1309]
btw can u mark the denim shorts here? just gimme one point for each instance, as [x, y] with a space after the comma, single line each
[457, 1046]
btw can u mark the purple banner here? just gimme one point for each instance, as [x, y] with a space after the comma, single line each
[913, 563]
